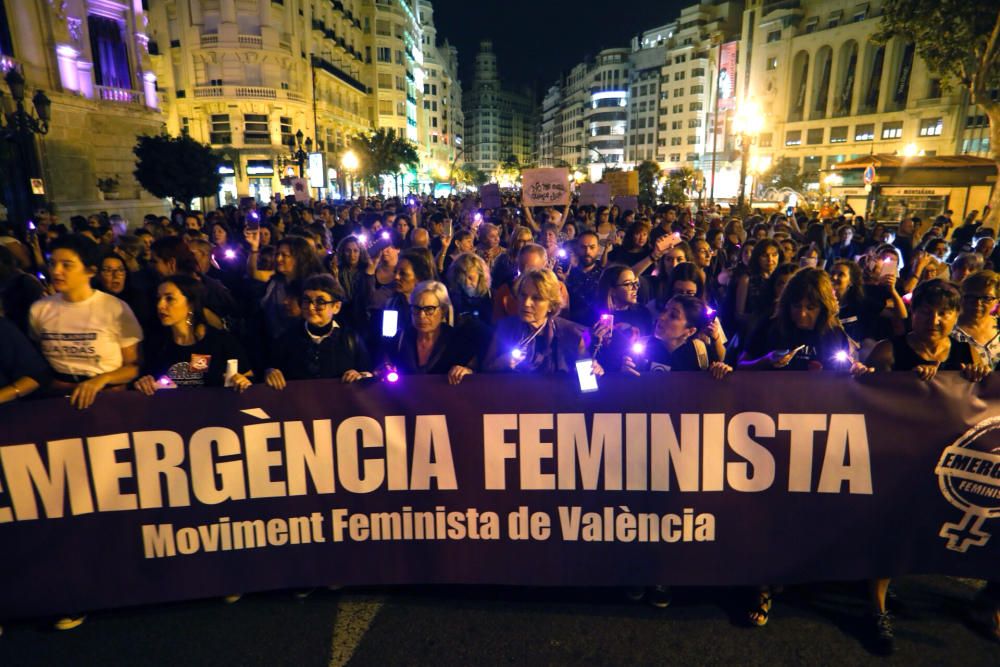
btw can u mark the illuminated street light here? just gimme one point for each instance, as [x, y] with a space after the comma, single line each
[349, 161]
[747, 123]
[911, 150]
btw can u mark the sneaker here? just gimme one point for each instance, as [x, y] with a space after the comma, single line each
[885, 638]
[635, 593]
[69, 622]
[658, 596]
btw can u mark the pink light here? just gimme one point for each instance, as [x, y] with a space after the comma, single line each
[561, 253]
[230, 253]
[165, 381]
[638, 348]
[517, 354]
[605, 316]
[709, 311]
[392, 376]
[363, 239]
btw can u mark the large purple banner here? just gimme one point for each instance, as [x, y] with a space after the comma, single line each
[672, 478]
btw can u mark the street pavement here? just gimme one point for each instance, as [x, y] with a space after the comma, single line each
[810, 625]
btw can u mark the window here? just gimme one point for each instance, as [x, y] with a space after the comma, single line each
[678, 108]
[678, 76]
[695, 106]
[697, 90]
[400, 109]
[6, 45]
[793, 138]
[893, 130]
[383, 28]
[838, 135]
[676, 125]
[286, 129]
[675, 157]
[384, 81]
[675, 141]
[255, 129]
[934, 89]
[694, 122]
[864, 132]
[400, 84]
[220, 132]
[111, 66]
[680, 59]
[385, 107]
[692, 139]
[678, 92]
[814, 136]
[185, 125]
[765, 139]
[698, 71]
[384, 54]
[772, 63]
[773, 36]
[811, 24]
[931, 127]
[434, 121]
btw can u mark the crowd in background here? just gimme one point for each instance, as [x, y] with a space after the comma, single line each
[375, 288]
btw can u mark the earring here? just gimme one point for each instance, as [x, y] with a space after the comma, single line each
[190, 318]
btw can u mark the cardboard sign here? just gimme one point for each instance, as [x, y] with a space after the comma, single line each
[37, 186]
[627, 203]
[490, 194]
[545, 187]
[300, 187]
[622, 183]
[595, 194]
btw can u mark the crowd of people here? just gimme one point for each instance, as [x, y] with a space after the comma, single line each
[278, 292]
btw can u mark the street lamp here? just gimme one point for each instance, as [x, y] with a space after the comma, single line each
[19, 127]
[296, 146]
[349, 161]
[747, 123]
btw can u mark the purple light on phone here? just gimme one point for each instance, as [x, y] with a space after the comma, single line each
[605, 316]
[908, 297]
[31, 226]
[517, 354]
[230, 253]
[709, 311]
[41, 276]
[841, 356]
[363, 239]
[165, 381]
[253, 214]
[392, 376]
[386, 236]
[478, 217]
[638, 348]
[561, 253]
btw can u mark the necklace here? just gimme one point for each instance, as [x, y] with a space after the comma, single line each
[319, 338]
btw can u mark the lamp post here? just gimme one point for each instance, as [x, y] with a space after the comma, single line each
[19, 127]
[747, 124]
[296, 146]
[349, 161]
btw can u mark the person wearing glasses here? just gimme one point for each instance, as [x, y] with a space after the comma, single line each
[318, 347]
[115, 279]
[190, 353]
[431, 344]
[977, 325]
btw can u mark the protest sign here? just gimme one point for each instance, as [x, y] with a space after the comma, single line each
[595, 194]
[545, 187]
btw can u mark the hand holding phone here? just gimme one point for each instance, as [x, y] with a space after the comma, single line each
[585, 375]
[390, 323]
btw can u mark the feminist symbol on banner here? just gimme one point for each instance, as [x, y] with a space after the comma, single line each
[969, 476]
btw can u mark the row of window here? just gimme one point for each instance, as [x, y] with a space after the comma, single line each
[929, 127]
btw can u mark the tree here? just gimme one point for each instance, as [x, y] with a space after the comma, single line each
[960, 41]
[648, 173]
[782, 174]
[507, 171]
[176, 168]
[383, 153]
[678, 182]
[467, 173]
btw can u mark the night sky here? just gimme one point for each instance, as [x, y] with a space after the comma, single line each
[536, 40]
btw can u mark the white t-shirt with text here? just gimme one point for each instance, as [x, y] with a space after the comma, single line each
[84, 338]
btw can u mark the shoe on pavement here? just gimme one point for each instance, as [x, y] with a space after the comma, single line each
[304, 593]
[69, 622]
[658, 596]
[635, 593]
[885, 638]
[230, 599]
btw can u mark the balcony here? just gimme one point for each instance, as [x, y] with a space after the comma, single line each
[332, 69]
[210, 40]
[247, 92]
[257, 92]
[121, 95]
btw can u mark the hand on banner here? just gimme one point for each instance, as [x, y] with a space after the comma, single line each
[275, 379]
[85, 393]
[719, 370]
[926, 372]
[629, 367]
[241, 383]
[858, 369]
[975, 372]
[780, 358]
[146, 385]
[456, 374]
[353, 376]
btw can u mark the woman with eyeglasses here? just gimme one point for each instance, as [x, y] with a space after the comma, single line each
[977, 325]
[113, 278]
[318, 347]
[431, 345]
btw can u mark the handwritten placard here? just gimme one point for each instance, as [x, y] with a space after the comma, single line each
[626, 203]
[623, 183]
[490, 194]
[545, 187]
[595, 194]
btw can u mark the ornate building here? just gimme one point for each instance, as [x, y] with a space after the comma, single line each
[441, 123]
[91, 59]
[247, 75]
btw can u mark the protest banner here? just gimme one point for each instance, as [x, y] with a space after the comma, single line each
[490, 194]
[626, 203]
[545, 187]
[595, 194]
[671, 478]
[622, 183]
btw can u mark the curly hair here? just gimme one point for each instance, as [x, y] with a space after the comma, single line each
[814, 286]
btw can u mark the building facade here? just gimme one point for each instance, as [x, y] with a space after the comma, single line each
[441, 120]
[91, 59]
[245, 76]
[828, 93]
[499, 123]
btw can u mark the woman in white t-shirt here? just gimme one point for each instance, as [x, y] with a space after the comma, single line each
[90, 338]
